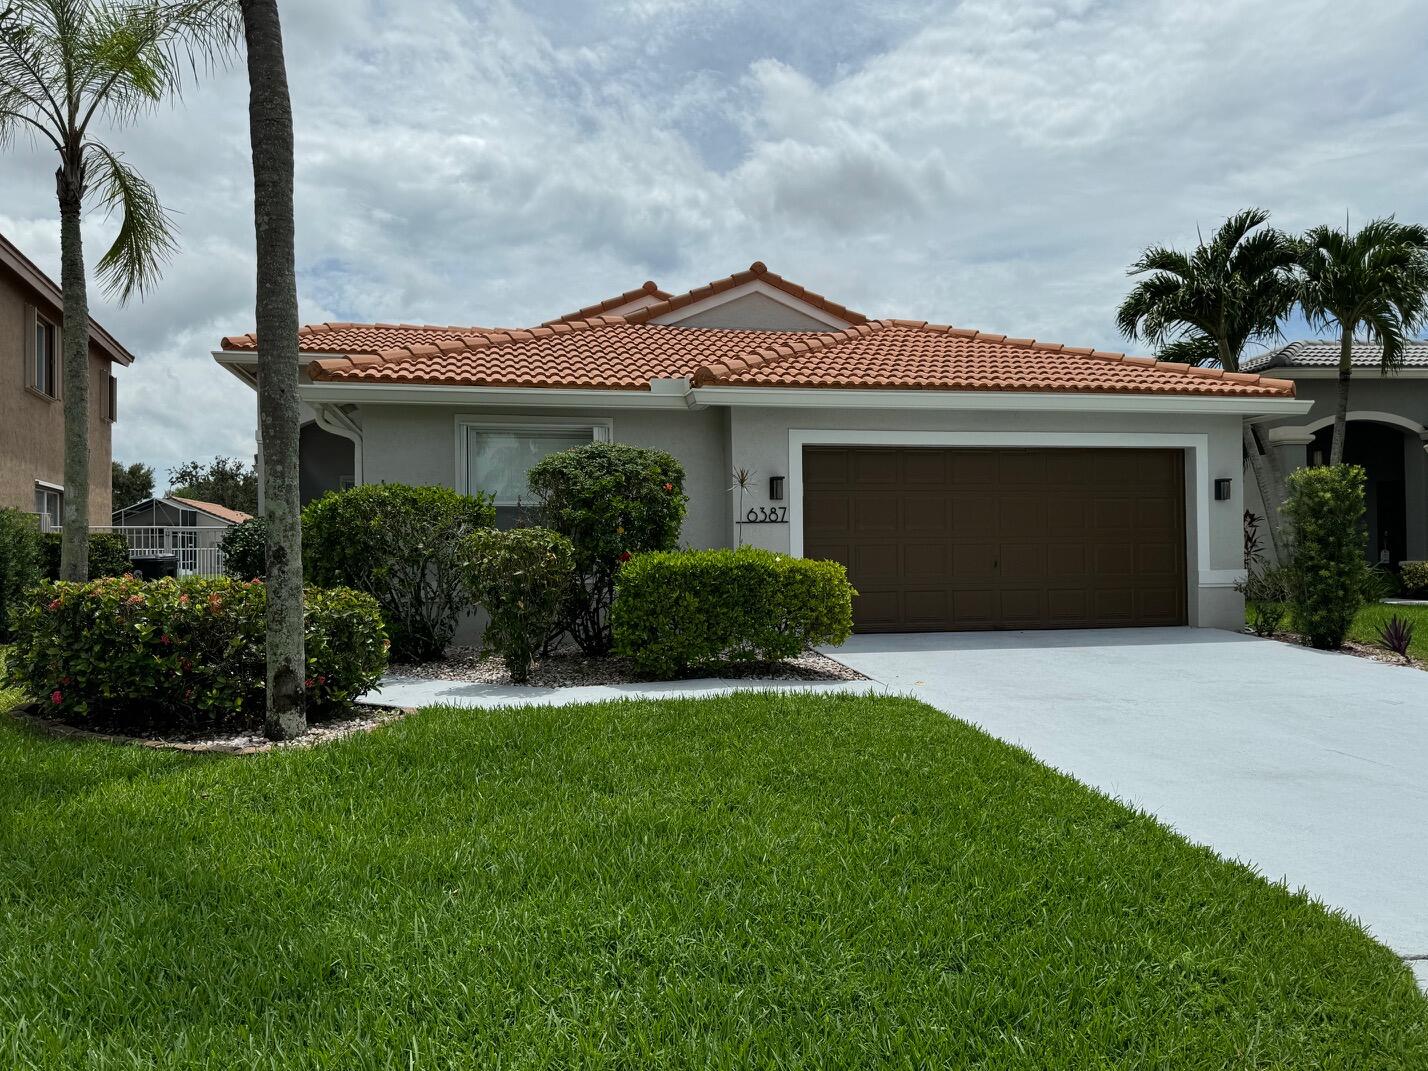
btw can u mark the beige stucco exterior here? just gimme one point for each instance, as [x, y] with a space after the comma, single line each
[31, 424]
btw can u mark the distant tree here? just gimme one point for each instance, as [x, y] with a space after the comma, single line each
[131, 484]
[1213, 301]
[63, 65]
[224, 480]
[1374, 282]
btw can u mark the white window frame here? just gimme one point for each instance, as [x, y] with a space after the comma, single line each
[46, 489]
[601, 431]
[50, 390]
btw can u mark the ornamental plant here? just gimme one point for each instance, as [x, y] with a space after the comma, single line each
[108, 555]
[1414, 576]
[520, 578]
[245, 549]
[178, 655]
[19, 562]
[403, 546]
[1326, 514]
[612, 501]
[675, 611]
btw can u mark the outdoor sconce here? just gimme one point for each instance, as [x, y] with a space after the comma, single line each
[1222, 489]
[775, 488]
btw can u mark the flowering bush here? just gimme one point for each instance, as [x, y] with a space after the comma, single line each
[182, 654]
[677, 610]
[611, 501]
[519, 577]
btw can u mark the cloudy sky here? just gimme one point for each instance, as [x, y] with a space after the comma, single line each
[992, 164]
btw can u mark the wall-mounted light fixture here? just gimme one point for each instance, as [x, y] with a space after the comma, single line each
[775, 488]
[1222, 489]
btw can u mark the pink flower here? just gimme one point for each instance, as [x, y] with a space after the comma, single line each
[54, 605]
[625, 555]
[164, 639]
[307, 683]
[321, 680]
[669, 487]
[56, 698]
[134, 600]
[183, 600]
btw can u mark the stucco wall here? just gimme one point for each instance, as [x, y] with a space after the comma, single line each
[753, 312]
[32, 426]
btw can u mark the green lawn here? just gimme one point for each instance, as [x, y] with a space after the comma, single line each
[1365, 626]
[754, 881]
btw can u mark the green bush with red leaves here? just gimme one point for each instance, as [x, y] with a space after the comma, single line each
[183, 654]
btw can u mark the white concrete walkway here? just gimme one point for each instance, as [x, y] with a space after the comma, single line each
[420, 692]
[1310, 766]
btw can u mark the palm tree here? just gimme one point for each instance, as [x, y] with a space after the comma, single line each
[66, 65]
[270, 120]
[1375, 281]
[1211, 303]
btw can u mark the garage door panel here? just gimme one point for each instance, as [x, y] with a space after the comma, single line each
[983, 539]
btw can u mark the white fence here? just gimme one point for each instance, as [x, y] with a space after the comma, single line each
[159, 550]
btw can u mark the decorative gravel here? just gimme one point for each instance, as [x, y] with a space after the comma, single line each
[569, 669]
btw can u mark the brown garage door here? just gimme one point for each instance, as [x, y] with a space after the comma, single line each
[939, 539]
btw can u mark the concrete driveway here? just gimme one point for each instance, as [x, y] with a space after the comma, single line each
[1310, 766]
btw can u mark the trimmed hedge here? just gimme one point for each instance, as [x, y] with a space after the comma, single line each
[611, 501]
[520, 578]
[1329, 573]
[19, 562]
[682, 609]
[1415, 579]
[403, 546]
[183, 654]
[245, 550]
[108, 555]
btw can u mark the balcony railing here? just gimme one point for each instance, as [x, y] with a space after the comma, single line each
[166, 550]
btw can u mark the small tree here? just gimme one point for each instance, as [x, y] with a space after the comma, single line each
[1326, 515]
[131, 484]
[611, 501]
[520, 578]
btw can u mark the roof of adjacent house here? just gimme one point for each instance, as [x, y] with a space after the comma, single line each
[646, 289]
[613, 353]
[1324, 353]
[360, 338]
[30, 273]
[223, 513]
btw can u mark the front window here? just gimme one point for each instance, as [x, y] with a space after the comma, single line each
[496, 457]
[49, 504]
[46, 378]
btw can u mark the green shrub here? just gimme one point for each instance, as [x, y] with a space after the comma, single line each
[611, 501]
[183, 654]
[687, 608]
[1326, 513]
[19, 562]
[1415, 579]
[1267, 592]
[108, 555]
[245, 549]
[401, 545]
[520, 577]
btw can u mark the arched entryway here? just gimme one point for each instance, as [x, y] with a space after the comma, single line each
[1382, 449]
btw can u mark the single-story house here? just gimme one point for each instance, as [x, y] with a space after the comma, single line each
[967, 480]
[174, 535]
[1387, 434]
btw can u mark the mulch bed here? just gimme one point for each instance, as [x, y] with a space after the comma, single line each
[569, 669]
[1358, 650]
[360, 719]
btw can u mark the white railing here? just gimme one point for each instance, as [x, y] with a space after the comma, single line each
[164, 550]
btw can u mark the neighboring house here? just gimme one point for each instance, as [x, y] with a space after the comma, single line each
[31, 406]
[967, 480]
[176, 536]
[1387, 434]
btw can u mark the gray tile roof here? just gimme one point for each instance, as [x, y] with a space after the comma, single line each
[1324, 353]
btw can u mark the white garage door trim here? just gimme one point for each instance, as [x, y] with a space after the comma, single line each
[1197, 476]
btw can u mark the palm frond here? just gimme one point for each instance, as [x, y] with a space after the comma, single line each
[146, 238]
[1196, 349]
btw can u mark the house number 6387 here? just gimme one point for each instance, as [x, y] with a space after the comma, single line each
[766, 515]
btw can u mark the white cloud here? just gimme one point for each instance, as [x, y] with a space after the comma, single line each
[992, 164]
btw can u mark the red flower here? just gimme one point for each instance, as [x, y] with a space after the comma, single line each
[134, 600]
[164, 639]
[307, 683]
[625, 555]
[321, 680]
[183, 600]
[54, 604]
[669, 487]
[56, 698]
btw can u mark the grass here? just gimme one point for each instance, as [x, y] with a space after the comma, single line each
[1366, 624]
[751, 881]
[10, 698]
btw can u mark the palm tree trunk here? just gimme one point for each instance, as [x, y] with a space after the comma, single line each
[74, 376]
[1341, 411]
[1264, 466]
[270, 121]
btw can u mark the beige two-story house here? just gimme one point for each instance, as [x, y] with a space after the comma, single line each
[32, 393]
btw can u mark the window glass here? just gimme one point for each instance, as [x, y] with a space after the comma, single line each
[45, 357]
[498, 459]
[49, 505]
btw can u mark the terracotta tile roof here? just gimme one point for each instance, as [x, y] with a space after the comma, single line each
[756, 270]
[222, 512]
[611, 353]
[604, 353]
[647, 289]
[360, 338]
[913, 355]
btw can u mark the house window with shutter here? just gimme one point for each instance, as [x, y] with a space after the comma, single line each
[111, 401]
[44, 358]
